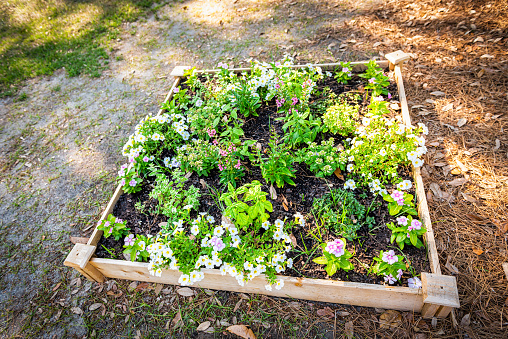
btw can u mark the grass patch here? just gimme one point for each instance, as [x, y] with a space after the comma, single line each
[39, 37]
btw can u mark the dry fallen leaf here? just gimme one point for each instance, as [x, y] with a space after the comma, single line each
[452, 268]
[141, 287]
[285, 206]
[132, 286]
[434, 187]
[158, 288]
[95, 306]
[237, 306]
[185, 292]
[76, 310]
[203, 326]
[447, 107]
[338, 173]
[390, 319]
[466, 320]
[469, 198]
[56, 286]
[293, 239]
[326, 312]
[241, 331]
[458, 182]
[437, 93]
[349, 331]
[477, 251]
[273, 193]
[177, 320]
[461, 122]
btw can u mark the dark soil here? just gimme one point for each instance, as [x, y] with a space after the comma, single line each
[291, 199]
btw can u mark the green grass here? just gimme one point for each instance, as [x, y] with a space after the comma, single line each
[38, 37]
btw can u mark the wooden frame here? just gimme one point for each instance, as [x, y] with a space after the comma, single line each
[437, 297]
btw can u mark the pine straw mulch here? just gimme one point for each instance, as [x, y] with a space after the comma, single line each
[459, 48]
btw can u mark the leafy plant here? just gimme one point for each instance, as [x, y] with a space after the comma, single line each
[112, 226]
[341, 118]
[136, 246]
[335, 256]
[341, 212]
[378, 106]
[377, 81]
[245, 101]
[175, 201]
[389, 265]
[199, 155]
[230, 166]
[278, 165]
[400, 202]
[300, 126]
[407, 231]
[242, 213]
[322, 159]
[129, 179]
[343, 73]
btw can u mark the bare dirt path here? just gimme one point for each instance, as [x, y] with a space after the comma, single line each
[60, 150]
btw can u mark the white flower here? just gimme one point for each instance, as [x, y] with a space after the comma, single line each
[195, 230]
[248, 266]
[350, 183]
[218, 231]
[210, 219]
[268, 287]
[158, 272]
[382, 152]
[184, 280]
[167, 253]
[279, 223]
[418, 163]
[290, 262]
[266, 225]
[279, 268]
[173, 265]
[209, 263]
[414, 282]
[350, 167]
[279, 284]
[199, 103]
[223, 270]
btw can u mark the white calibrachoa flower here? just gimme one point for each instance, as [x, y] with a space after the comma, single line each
[279, 284]
[184, 280]
[404, 185]
[268, 287]
[279, 223]
[350, 184]
[195, 230]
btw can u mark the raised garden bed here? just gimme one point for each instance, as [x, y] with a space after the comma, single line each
[356, 285]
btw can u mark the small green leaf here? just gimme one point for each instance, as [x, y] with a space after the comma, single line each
[320, 260]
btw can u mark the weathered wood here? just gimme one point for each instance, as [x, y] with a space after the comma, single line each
[440, 295]
[369, 295]
[423, 208]
[78, 240]
[396, 58]
[179, 71]
[358, 66]
[505, 268]
[79, 258]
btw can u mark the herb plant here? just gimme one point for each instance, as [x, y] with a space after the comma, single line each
[341, 118]
[245, 101]
[343, 73]
[278, 165]
[400, 202]
[322, 159]
[377, 81]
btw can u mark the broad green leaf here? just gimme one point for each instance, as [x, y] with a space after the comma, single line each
[320, 260]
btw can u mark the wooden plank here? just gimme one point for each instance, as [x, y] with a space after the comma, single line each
[444, 311]
[79, 256]
[423, 208]
[357, 66]
[179, 71]
[97, 234]
[440, 290]
[78, 240]
[368, 295]
[396, 58]
[429, 311]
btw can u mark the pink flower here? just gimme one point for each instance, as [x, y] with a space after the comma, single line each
[277, 86]
[372, 80]
[400, 202]
[402, 220]
[390, 279]
[110, 230]
[345, 69]
[118, 220]
[217, 243]
[397, 195]
[215, 142]
[390, 257]
[211, 132]
[294, 101]
[399, 274]
[122, 182]
[106, 224]
[416, 224]
[220, 167]
[389, 96]
[176, 90]
[335, 247]
[124, 166]
[237, 166]
[129, 240]
[145, 159]
[277, 64]
[132, 183]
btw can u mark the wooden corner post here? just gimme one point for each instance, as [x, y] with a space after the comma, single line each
[396, 58]
[440, 295]
[79, 259]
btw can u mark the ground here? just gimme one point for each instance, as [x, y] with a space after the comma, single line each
[60, 140]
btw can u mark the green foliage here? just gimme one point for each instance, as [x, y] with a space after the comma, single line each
[340, 212]
[278, 165]
[333, 262]
[343, 73]
[175, 201]
[407, 232]
[407, 206]
[230, 166]
[241, 213]
[136, 247]
[341, 118]
[376, 80]
[113, 226]
[245, 101]
[300, 127]
[378, 106]
[129, 178]
[47, 39]
[322, 159]
[199, 156]
[383, 268]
